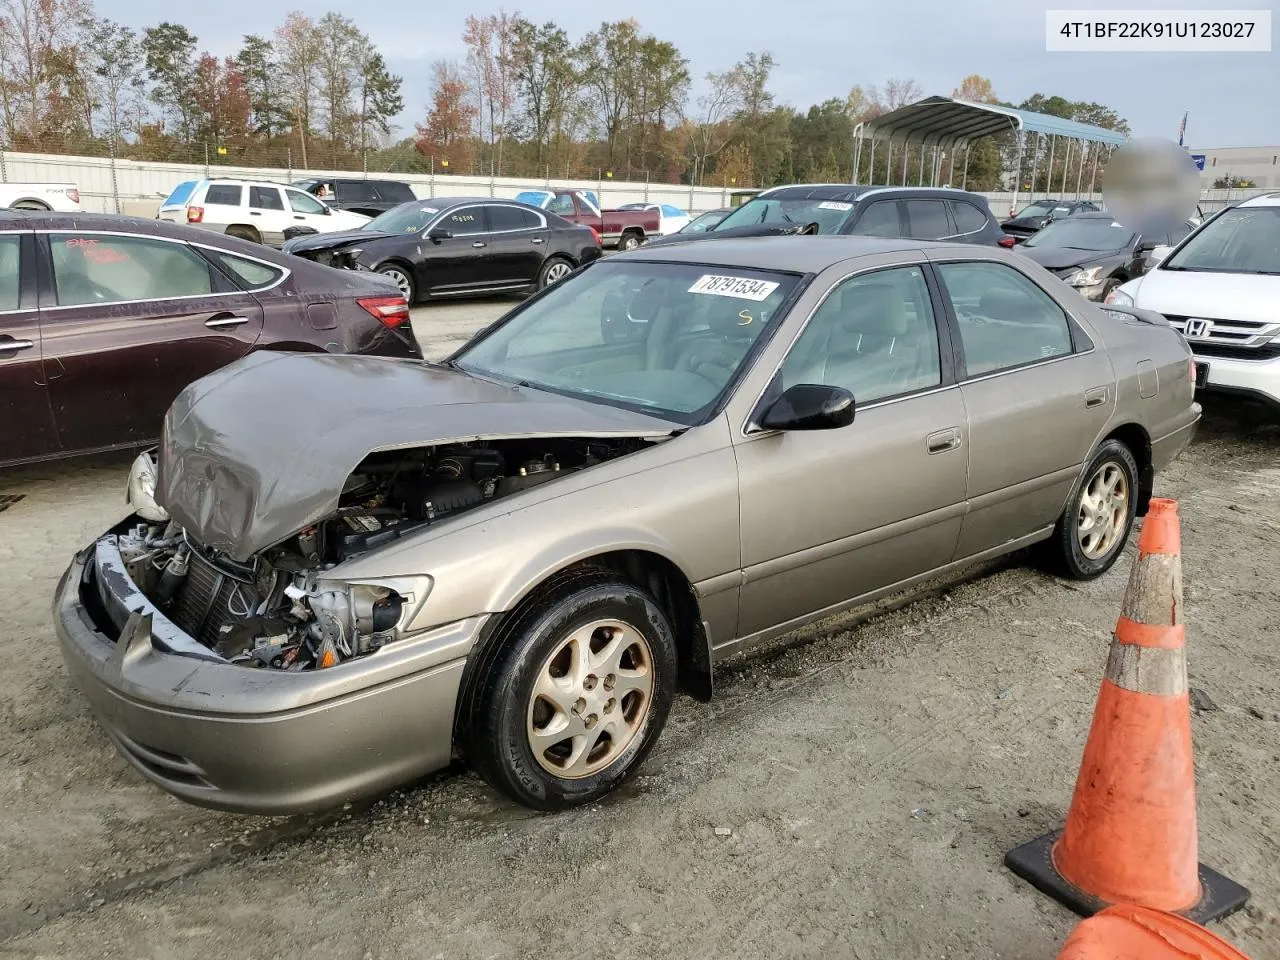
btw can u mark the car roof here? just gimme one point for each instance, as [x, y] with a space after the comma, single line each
[787, 253]
[49, 220]
[1265, 200]
[852, 192]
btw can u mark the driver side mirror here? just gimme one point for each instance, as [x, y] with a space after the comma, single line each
[810, 406]
[436, 234]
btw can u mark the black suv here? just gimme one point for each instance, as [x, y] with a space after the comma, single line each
[370, 197]
[1039, 214]
[921, 213]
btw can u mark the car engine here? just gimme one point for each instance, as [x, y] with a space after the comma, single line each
[278, 611]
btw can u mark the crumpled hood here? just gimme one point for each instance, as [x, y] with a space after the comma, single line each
[1059, 258]
[260, 449]
[331, 241]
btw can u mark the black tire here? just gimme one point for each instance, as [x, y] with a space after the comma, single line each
[497, 743]
[245, 233]
[403, 279]
[1108, 285]
[555, 266]
[628, 241]
[1064, 549]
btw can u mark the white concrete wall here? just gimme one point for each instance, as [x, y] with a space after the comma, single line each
[141, 185]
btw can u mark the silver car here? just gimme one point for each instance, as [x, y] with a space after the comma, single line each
[343, 572]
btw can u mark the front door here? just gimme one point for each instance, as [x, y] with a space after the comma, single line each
[129, 322]
[1038, 393]
[457, 263]
[834, 514]
[26, 419]
[306, 211]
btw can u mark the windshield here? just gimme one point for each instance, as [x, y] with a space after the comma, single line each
[1088, 233]
[1037, 209]
[1244, 240]
[829, 215]
[665, 339]
[703, 223]
[406, 218]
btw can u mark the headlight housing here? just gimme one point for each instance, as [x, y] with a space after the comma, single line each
[1120, 299]
[1084, 278]
[140, 494]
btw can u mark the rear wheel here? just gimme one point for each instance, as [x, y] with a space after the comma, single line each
[244, 233]
[1092, 531]
[31, 205]
[403, 281]
[628, 241]
[577, 697]
[553, 271]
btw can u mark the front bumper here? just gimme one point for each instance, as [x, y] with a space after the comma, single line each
[1256, 380]
[254, 740]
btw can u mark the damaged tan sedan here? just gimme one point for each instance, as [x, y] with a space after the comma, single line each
[342, 573]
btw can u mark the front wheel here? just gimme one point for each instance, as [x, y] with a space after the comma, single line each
[578, 696]
[404, 282]
[1092, 531]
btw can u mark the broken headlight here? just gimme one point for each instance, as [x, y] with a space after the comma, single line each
[351, 618]
[140, 494]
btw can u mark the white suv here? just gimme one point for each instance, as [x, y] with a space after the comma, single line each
[254, 210]
[1221, 288]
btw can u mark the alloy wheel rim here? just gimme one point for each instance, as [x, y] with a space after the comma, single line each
[557, 272]
[402, 281]
[1104, 511]
[590, 699]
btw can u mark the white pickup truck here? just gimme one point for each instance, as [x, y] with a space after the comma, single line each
[61, 197]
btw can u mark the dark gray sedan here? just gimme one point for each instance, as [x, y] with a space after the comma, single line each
[520, 556]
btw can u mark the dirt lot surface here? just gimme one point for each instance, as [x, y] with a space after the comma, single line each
[869, 776]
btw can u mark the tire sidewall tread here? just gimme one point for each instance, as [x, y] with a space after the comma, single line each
[1068, 557]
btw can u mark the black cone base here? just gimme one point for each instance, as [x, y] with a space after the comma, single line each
[1033, 862]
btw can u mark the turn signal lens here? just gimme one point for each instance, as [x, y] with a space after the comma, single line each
[195, 214]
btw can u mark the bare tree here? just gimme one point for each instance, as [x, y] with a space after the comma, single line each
[712, 131]
[300, 57]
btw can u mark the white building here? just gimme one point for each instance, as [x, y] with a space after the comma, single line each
[1258, 164]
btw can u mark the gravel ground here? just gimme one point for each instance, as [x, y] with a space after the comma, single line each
[849, 794]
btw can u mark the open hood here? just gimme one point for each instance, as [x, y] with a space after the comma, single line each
[260, 449]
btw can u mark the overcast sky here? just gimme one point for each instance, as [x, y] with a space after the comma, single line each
[823, 47]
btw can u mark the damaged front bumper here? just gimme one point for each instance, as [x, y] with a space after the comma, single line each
[231, 737]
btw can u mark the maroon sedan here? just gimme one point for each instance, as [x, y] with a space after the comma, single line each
[104, 319]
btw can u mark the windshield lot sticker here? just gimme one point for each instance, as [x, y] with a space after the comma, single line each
[835, 205]
[744, 288]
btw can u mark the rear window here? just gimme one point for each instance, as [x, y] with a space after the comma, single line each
[394, 192]
[181, 194]
[224, 194]
[354, 191]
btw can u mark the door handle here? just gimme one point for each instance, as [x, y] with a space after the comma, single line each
[298, 216]
[537, 240]
[942, 441]
[255, 213]
[1095, 397]
[478, 244]
[9, 345]
[226, 321]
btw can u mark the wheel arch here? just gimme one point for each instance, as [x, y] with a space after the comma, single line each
[645, 567]
[1135, 437]
[248, 227]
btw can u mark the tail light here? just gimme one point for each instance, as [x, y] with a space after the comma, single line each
[391, 311]
[1007, 241]
[595, 233]
[195, 214]
[73, 195]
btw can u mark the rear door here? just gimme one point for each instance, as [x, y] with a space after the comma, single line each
[517, 243]
[26, 418]
[929, 220]
[1037, 391]
[267, 214]
[127, 321]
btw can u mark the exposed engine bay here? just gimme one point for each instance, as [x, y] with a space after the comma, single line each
[278, 611]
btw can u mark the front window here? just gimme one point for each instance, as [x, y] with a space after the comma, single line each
[301, 202]
[407, 218]
[1040, 208]
[661, 338]
[1089, 233]
[708, 221]
[1243, 240]
[829, 215]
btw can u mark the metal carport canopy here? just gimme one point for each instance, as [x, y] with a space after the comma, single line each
[944, 119]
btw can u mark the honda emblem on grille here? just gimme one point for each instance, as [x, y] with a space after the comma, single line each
[1197, 329]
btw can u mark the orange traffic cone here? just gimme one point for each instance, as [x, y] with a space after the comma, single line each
[1129, 932]
[1131, 831]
